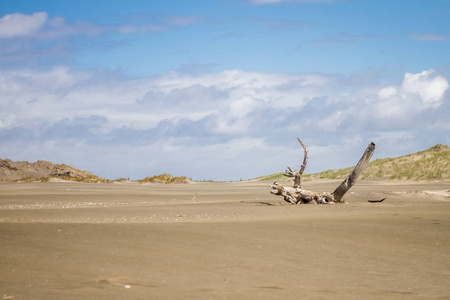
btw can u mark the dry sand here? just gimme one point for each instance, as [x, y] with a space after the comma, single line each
[222, 241]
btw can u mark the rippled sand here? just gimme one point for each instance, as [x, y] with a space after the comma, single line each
[222, 241]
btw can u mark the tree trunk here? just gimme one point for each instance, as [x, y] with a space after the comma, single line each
[340, 191]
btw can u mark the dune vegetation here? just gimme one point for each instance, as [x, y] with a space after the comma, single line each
[165, 179]
[87, 179]
[430, 164]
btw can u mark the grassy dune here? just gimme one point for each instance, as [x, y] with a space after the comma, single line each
[431, 164]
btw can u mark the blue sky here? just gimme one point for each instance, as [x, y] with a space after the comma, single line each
[221, 89]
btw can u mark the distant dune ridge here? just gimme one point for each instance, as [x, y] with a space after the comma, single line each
[42, 170]
[430, 164]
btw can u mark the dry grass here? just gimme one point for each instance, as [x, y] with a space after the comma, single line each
[431, 164]
[165, 179]
[87, 179]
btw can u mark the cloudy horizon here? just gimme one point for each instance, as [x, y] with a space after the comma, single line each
[221, 90]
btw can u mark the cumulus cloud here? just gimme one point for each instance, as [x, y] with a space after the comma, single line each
[387, 92]
[429, 86]
[233, 124]
[406, 103]
[39, 25]
[16, 25]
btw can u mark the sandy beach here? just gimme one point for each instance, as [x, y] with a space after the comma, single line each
[62, 240]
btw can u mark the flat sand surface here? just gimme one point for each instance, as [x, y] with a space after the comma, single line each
[223, 241]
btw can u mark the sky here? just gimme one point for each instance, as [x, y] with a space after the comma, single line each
[220, 90]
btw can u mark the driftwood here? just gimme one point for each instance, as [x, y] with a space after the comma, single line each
[376, 201]
[298, 195]
[298, 175]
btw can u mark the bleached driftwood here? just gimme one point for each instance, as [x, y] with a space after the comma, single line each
[298, 195]
[298, 175]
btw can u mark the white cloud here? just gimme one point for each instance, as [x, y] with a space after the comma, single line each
[18, 25]
[181, 122]
[39, 26]
[387, 92]
[241, 107]
[331, 122]
[402, 103]
[428, 85]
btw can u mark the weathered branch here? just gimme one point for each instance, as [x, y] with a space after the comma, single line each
[340, 191]
[305, 158]
[298, 175]
[301, 196]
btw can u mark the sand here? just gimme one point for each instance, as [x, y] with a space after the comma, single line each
[64, 240]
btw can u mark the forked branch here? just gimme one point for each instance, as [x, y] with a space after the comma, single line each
[298, 175]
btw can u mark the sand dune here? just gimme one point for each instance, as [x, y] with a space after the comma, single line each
[222, 241]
